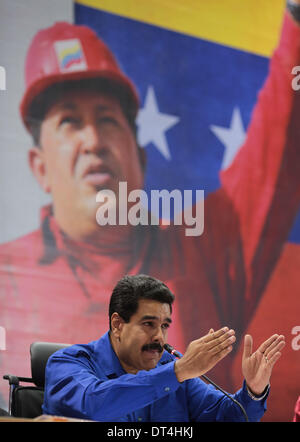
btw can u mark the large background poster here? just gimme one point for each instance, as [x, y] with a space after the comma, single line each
[198, 68]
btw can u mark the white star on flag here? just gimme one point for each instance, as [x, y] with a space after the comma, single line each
[153, 124]
[232, 137]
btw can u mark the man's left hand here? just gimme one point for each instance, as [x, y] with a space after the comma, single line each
[257, 367]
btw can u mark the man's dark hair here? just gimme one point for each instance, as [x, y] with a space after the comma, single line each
[43, 102]
[130, 289]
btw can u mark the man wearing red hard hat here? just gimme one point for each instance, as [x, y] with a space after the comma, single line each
[66, 52]
[67, 69]
[80, 109]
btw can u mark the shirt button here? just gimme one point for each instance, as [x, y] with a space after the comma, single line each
[167, 388]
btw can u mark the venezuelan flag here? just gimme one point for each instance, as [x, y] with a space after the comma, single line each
[70, 55]
[200, 65]
[74, 56]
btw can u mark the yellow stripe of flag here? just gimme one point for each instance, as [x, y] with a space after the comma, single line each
[249, 25]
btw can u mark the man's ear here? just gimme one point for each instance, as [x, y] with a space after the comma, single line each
[38, 167]
[117, 324]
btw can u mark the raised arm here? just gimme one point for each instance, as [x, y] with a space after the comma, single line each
[263, 183]
[77, 386]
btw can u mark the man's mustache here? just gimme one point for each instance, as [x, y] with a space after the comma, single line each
[153, 346]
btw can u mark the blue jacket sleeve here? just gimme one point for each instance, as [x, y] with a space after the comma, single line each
[206, 404]
[74, 389]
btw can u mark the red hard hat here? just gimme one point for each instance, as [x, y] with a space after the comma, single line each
[69, 52]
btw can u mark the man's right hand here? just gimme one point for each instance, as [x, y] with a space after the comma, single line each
[204, 353]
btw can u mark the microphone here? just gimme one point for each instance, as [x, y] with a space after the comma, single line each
[176, 353]
[172, 350]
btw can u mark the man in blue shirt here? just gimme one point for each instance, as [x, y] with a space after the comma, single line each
[127, 376]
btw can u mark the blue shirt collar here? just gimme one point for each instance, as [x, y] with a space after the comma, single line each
[107, 358]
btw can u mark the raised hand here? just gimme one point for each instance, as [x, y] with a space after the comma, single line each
[257, 367]
[204, 353]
